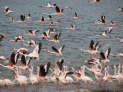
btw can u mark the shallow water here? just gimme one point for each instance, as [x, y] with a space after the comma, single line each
[73, 40]
[46, 87]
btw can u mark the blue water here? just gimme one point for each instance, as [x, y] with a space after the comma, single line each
[73, 40]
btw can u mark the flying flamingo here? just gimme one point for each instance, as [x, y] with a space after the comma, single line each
[65, 78]
[7, 10]
[12, 61]
[43, 71]
[93, 47]
[57, 51]
[104, 55]
[36, 51]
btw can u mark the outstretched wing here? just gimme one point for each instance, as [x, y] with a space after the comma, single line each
[42, 70]
[61, 48]
[91, 46]
[96, 45]
[55, 49]
[60, 64]
[102, 55]
[69, 73]
[23, 60]
[14, 57]
[47, 66]
[57, 9]
[39, 47]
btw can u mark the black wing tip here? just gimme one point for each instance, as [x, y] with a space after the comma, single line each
[62, 61]
[102, 55]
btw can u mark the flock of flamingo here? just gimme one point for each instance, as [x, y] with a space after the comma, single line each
[21, 59]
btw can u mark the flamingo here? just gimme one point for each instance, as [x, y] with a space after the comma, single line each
[42, 20]
[32, 32]
[61, 73]
[104, 34]
[51, 30]
[14, 58]
[59, 67]
[24, 64]
[19, 38]
[120, 9]
[56, 38]
[102, 20]
[43, 71]
[93, 47]
[58, 11]
[75, 16]
[72, 27]
[7, 10]
[29, 16]
[3, 58]
[22, 51]
[57, 51]
[60, 64]
[104, 56]
[22, 19]
[50, 17]
[109, 29]
[95, 1]
[64, 78]
[46, 35]
[12, 61]
[36, 51]
[32, 43]
[49, 5]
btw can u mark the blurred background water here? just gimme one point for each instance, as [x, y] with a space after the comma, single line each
[73, 40]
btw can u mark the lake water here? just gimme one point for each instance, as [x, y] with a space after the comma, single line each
[73, 40]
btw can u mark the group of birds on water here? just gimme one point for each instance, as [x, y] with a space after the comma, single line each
[21, 59]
